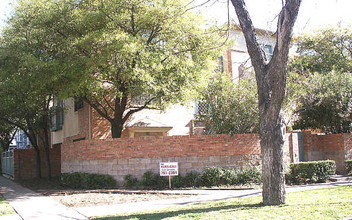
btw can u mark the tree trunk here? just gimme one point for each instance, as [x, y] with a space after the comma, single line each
[271, 82]
[116, 128]
[47, 152]
[271, 141]
[39, 165]
[46, 141]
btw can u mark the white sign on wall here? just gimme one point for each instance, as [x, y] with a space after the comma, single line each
[168, 169]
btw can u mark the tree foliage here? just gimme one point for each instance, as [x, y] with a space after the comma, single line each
[232, 107]
[29, 79]
[324, 51]
[327, 103]
[7, 134]
[322, 76]
[124, 56]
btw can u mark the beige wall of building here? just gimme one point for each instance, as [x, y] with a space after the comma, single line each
[70, 125]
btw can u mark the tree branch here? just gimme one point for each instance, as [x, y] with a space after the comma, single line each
[96, 106]
[128, 114]
[249, 33]
[286, 21]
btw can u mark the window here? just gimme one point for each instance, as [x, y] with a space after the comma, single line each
[57, 116]
[268, 52]
[220, 66]
[78, 103]
[202, 108]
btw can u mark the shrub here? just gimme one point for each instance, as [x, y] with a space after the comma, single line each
[312, 172]
[289, 178]
[147, 179]
[191, 179]
[80, 180]
[216, 176]
[130, 181]
[178, 181]
[155, 181]
[229, 176]
[73, 180]
[249, 175]
[212, 176]
[349, 166]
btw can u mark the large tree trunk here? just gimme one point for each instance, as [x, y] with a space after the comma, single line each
[271, 141]
[271, 82]
[116, 128]
[46, 141]
[47, 151]
[39, 165]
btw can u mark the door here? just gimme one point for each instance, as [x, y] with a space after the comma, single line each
[300, 146]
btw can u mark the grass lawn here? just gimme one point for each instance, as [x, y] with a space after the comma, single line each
[328, 203]
[5, 208]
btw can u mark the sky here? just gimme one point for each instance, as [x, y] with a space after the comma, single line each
[313, 14]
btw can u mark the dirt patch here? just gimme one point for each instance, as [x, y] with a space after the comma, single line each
[84, 199]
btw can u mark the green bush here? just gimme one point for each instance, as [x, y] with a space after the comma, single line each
[289, 178]
[130, 181]
[229, 176]
[312, 172]
[212, 176]
[249, 175]
[178, 181]
[154, 181]
[80, 180]
[216, 176]
[191, 179]
[349, 166]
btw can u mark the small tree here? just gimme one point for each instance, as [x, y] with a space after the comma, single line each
[232, 107]
[28, 80]
[327, 103]
[124, 56]
[323, 51]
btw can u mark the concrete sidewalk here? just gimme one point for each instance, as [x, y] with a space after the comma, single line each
[199, 196]
[31, 205]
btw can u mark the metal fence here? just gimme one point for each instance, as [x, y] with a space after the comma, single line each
[7, 163]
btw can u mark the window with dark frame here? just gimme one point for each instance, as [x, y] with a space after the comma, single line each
[78, 102]
[268, 52]
[57, 116]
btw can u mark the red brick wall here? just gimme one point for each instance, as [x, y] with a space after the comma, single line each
[119, 157]
[172, 146]
[329, 142]
[328, 147]
[25, 163]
